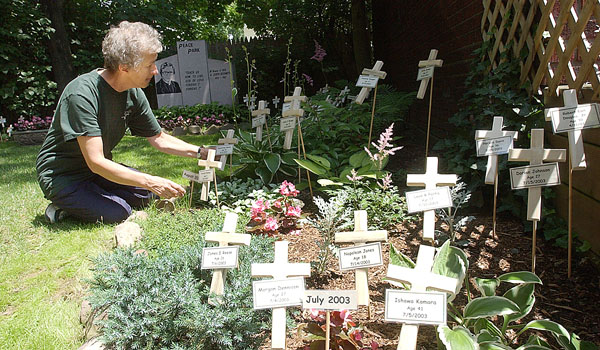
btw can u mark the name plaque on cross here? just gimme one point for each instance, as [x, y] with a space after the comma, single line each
[494, 146]
[535, 176]
[258, 121]
[222, 150]
[269, 294]
[205, 175]
[357, 257]
[288, 123]
[330, 299]
[190, 175]
[427, 308]
[432, 199]
[220, 258]
[425, 73]
[368, 81]
[286, 106]
[584, 116]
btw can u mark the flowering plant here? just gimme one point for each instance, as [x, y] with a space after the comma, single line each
[280, 215]
[212, 120]
[36, 123]
[344, 333]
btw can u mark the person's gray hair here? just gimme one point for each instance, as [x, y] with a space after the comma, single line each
[127, 43]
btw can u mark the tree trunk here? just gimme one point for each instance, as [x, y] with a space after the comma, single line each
[360, 35]
[58, 45]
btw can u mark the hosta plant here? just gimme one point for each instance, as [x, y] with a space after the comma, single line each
[344, 332]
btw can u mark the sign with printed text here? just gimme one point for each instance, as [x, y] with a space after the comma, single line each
[190, 175]
[583, 116]
[286, 107]
[258, 121]
[432, 199]
[205, 175]
[534, 176]
[288, 123]
[494, 146]
[425, 73]
[368, 81]
[270, 294]
[358, 257]
[222, 150]
[220, 258]
[415, 307]
[330, 299]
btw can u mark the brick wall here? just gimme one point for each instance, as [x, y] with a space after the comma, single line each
[405, 31]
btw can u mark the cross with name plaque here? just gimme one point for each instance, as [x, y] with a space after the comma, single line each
[276, 102]
[226, 141]
[420, 279]
[209, 164]
[430, 180]
[278, 270]
[226, 237]
[374, 72]
[536, 155]
[430, 62]
[294, 111]
[260, 118]
[360, 236]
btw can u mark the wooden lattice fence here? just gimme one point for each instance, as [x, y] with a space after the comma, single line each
[558, 40]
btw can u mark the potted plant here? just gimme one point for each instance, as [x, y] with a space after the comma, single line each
[31, 131]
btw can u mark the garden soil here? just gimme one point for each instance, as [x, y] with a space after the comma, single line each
[570, 302]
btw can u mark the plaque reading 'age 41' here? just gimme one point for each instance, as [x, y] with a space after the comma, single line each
[415, 307]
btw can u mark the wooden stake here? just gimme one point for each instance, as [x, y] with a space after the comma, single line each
[570, 245]
[191, 193]
[327, 329]
[533, 246]
[216, 191]
[429, 117]
[372, 117]
[495, 203]
[304, 151]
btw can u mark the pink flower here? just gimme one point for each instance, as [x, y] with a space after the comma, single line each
[295, 232]
[288, 189]
[308, 79]
[258, 208]
[277, 204]
[293, 211]
[271, 224]
[320, 53]
[354, 176]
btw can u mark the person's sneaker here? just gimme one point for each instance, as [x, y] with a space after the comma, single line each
[54, 214]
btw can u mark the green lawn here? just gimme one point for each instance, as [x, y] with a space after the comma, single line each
[43, 267]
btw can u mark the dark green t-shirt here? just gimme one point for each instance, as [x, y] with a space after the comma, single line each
[89, 106]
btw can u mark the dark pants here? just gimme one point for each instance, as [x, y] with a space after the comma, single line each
[101, 200]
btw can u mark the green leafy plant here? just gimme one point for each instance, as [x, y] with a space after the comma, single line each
[201, 114]
[261, 159]
[232, 193]
[344, 332]
[475, 328]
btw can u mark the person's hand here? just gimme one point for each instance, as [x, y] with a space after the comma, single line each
[203, 154]
[165, 188]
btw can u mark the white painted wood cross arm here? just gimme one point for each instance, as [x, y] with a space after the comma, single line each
[225, 238]
[360, 236]
[431, 61]
[376, 72]
[430, 180]
[492, 161]
[421, 279]
[260, 118]
[209, 163]
[294, 111]
[280, 269]
[227, 140]
[536, 155]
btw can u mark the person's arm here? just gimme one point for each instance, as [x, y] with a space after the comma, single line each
[172, 145]
[93, 153]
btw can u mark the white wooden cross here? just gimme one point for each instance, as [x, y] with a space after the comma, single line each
[431, 61]
[261, 112]
[430, 180]
[2, 121]
[246, 100]
[280, 269]
[276, 102]
[360, 236]
[294, 111]
[376, 72]
[209, 164]
[536, 155]
[492, 162]
[252, 106]
[420, 279]
[227, 140]
[576, 152]
[226, 237]
[345, 91]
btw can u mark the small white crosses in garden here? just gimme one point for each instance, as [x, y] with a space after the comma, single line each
[280, 269]
[492, 163]
[260, 118]
[430, 180]
[536, 155]
[375, 72]
[246, 100]
[227, 147]
[2, 121]
[344, 91]
[420, 279]
[224, 238]
[426, 73]
[276, 102]
[360, 236]
[252, 106]
[294, 111]
[209, 164]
